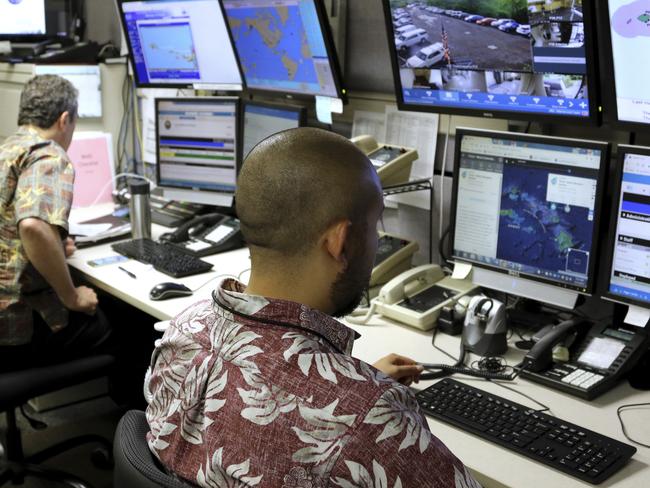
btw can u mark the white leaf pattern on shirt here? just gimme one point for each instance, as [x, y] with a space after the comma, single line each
[464, 479]
[266, 404]
[361, 478]
[397, 410]
[215, 475]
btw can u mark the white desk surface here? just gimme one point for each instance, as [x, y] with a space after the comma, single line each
[493, 465]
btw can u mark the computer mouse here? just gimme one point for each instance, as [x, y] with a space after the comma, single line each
[164, 291]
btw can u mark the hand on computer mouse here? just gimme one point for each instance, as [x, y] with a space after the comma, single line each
[164, 291]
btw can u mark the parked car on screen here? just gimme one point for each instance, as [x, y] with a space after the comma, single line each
[402, 22]
[509, 27]
[427, 56]
[411, 38]
[497, 23]
[524, 30]
[486, 21]
[404, 29]
[459, 15]
[473, 18]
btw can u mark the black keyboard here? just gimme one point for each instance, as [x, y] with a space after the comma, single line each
[163, 257]
[579, 452]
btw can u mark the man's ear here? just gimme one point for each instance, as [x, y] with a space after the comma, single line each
[335, 239]
[63, 120]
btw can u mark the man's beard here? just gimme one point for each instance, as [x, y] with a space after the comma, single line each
[347, 291]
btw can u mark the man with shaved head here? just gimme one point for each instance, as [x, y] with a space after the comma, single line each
[257, 387]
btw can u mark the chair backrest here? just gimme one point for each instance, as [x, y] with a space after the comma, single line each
[135, 466]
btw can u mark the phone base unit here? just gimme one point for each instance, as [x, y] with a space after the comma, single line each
[393, 258]
[417, 296]
[208, 234]
[597, 362]
[393, 163]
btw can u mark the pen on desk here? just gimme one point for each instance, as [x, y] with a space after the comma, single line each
[128, 272]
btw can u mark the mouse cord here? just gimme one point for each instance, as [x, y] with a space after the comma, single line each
[212, 279]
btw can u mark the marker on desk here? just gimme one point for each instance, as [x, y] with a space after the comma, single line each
[128, 272]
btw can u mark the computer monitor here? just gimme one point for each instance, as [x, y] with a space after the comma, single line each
[518, 59]
[85, 78]
[525, 212]
[262, 120]
[198, 144]
[284, 46]
[629, 26]
[34, 20]
[180, 43]
[629, 235]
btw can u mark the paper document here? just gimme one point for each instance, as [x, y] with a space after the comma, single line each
[326, 106]
[637, 316]
[148, 114]
[461, 271]
[91, 154]
[369, 123]
[88, 230]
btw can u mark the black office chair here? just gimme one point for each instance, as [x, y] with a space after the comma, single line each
[135, 465]
[16, 388]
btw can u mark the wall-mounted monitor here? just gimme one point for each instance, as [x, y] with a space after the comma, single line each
[509, 59]
[526, 212]
[35, 20]
[285, 46]
[629, 33]
[180, 44]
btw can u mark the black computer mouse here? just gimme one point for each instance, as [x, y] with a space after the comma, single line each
[164, 291]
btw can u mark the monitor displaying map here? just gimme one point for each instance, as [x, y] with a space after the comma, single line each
[528, 206]
[529, 59]
[172, 44]
[630, 33]
[283, 46]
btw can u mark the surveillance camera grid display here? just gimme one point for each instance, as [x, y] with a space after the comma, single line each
[495, 55]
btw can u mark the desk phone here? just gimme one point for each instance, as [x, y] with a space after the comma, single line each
[393, 257]
[393, 163]
[206, 235]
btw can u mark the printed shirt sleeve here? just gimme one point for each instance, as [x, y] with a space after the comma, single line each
[393, 447]
[45, 188]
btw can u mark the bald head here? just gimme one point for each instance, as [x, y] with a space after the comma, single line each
[297, 183]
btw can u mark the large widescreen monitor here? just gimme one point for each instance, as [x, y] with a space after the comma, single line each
[629, 33]
[526, 212]
[33, 20]
[629, 252]
[198, 144]
[510, 59]
[262, 120]
[285, 46]
[180, 43]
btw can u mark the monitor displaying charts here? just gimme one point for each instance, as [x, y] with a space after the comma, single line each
[526, 210]
[22, 17]
[629, 277]
[630, 33]
[284, 46]
[180, 43]
[530, 59]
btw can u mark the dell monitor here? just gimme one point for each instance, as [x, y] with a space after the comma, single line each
[284, 46]
[525, 212]
[629, 30]
[517, 59]
[180, 44]
[198, 145]
[262, 120]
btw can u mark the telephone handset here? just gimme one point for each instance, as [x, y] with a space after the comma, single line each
[207, 234]
[599, 355]
[393, 163]
[417, 296]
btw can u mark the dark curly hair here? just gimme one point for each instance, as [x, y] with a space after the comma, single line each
[44, 99]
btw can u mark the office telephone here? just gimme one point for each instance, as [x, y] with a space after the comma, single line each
[393, 257]
[417, 296]
[207, 234]
[393, 163]
[599, 354]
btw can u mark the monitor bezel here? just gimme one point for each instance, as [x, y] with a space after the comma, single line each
[622, 151]
[604, 147]
[238, 140]
[332, 55]
[593, 85]
[140, 84]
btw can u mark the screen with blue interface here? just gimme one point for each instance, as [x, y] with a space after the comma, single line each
[630, 274]
[281, 46]
[22, 17]
[174, 42]
[527, 208]
[262, 121]
[492, 56]
[197, 144]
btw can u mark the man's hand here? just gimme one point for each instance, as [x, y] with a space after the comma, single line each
[400, 368]
[69, 247]
[84, 301]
